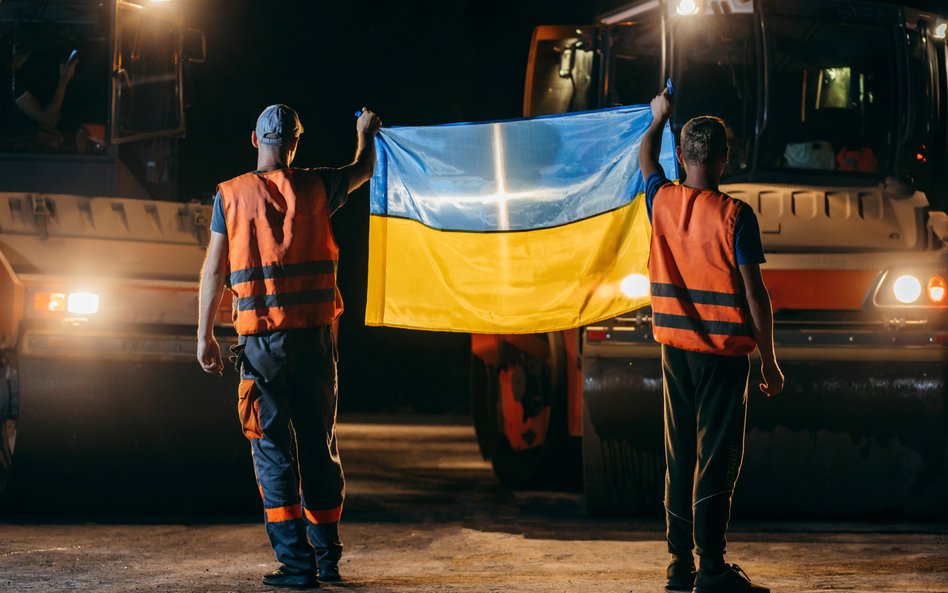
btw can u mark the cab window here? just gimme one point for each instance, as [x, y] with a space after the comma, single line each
[636, 69]
[833, 101]
[715, 73]
[42, 108]
[147, 98]
[561, 71]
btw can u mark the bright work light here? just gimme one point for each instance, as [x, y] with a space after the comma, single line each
[634, 286]
[940, 30]
[83, 303]
[687, 7]
[907, 288]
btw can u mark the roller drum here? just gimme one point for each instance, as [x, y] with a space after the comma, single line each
[135, 438]
[845, 440]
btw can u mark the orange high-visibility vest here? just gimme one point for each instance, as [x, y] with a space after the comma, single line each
[281, 250]
[698, 301]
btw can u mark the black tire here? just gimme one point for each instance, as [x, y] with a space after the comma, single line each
[483, 406]
[9, 407]
[623, 454]
[555, 464]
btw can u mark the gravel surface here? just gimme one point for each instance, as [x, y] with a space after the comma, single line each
[425, 514]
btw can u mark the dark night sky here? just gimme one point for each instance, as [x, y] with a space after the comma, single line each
[419, 62]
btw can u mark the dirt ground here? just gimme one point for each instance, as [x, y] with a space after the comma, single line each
[425, 514]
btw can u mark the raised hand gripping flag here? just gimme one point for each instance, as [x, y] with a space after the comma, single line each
[517, 226]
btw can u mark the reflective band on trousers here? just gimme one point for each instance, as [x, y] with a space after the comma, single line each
[288, 513]
[324, 516]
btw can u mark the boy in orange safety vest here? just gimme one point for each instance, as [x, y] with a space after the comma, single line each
[710, 309]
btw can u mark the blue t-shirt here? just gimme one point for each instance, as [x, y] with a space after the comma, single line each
[336, 182]
[747, 245]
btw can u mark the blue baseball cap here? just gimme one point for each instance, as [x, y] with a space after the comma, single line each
[278, 123]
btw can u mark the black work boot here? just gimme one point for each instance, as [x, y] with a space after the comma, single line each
[329, 572]
[732, 580]
[283, 577]
[680, 574]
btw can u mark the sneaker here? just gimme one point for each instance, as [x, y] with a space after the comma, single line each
[732, 580]
[329, 573]
[282, 577]
[680, 575]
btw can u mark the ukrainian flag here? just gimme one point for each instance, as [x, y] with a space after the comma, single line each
[517, 226]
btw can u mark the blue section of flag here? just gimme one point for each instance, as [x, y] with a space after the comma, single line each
[514, 175]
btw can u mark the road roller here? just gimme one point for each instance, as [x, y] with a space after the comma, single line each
[837, 118]
[103, 408]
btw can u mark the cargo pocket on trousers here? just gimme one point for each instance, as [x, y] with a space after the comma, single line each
[248, 408]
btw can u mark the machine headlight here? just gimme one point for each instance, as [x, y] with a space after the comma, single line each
[936, 289]
[940, 30]
[907, 289]
[635, 286]
[83, 303]
[915, 287]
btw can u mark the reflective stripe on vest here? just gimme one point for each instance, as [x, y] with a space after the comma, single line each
[282, 254]
[698, 301]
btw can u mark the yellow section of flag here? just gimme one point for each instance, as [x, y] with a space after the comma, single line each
[507, 282]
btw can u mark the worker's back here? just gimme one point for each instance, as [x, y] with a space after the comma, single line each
[281, 250]
[698, 299]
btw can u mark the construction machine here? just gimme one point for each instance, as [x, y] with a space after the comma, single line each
[837, 117]
[103, 407]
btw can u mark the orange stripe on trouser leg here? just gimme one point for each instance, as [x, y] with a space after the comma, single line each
[279, 514]
[324, 516]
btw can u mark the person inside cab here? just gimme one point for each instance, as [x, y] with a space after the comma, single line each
[25, 122]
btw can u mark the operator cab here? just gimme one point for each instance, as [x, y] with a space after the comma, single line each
[813, 92]
[112, 132]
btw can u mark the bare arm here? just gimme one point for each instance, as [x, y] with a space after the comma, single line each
[48, 116]
[361, 167]
[213, 275]
[651, 146]
[762, 321]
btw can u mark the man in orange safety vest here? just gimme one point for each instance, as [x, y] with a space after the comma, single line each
[272, 246]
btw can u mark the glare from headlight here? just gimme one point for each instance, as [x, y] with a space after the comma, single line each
[635, 286]
[687, 7]
[907, 288]
[83, 303]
